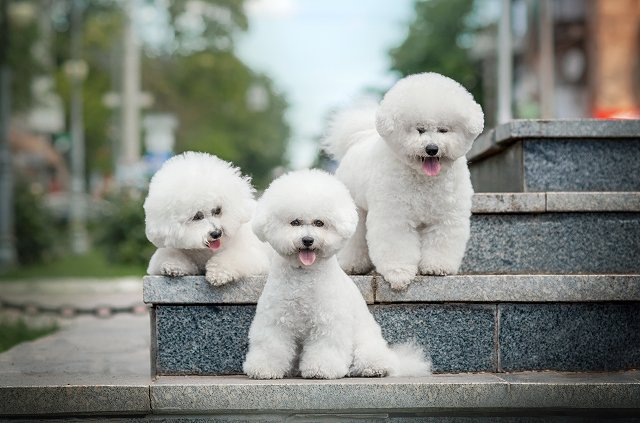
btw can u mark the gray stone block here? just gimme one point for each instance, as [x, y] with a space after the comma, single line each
[592, 201]
[553, 243]
[196, 290]
[446, 395]
[514, 288]
[459, 338]
[571, 337]
[571, 155]
[520, 202]
[201, 339]
[213, 340]
[27, 395]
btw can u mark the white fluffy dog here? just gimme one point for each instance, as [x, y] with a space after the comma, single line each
[198, 213]
[311, 317]
[405, 166]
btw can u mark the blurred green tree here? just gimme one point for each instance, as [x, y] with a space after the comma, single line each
[191, 72]
[439, 41]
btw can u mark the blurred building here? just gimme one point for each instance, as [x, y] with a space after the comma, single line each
[594, 70]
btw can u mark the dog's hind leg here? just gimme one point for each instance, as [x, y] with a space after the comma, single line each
[354, 256]
[443, 247]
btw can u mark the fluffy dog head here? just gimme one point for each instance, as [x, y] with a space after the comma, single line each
[306, 216]
[429, 121]
[196, 201]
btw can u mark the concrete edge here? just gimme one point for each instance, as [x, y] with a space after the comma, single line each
[555, 202]
[436, 392]
[503, 135]
[455, 288]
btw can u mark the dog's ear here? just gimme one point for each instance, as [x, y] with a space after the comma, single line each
[346, 221]
[385, 123]
[156, 234]
[258, 223]
[475, 122]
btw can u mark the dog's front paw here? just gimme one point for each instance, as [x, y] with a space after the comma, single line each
[400, 277]
[219, 277]
[371, 372]
[323, 371]
[263, 372]
[173, 270]
[437, 269]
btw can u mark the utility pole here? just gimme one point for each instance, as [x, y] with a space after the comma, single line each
[505, 64]
[546, 69]
[7, 240]
[76, 69]
[129, 161]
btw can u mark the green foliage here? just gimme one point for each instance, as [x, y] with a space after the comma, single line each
[94, 264]
[37, 234]
[208, 92]
[13, 332]
[435, 43]
[120, 234]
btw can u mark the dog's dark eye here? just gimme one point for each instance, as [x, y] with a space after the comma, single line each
[198, 216]
[443, 130]
[296, 222]
[216, 211]
[318, 223]
[421, 130]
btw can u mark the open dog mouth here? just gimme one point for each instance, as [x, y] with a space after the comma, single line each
[430, 165]
[213, 244]
[307, 256]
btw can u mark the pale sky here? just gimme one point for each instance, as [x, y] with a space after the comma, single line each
[322, 54]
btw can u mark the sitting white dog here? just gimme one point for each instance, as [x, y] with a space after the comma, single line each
[311, 318]
[409, 178]
[197, 214]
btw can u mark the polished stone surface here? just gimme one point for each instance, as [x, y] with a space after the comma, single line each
[571, 337]
[519, 202]
[553, 243]
[592, 201]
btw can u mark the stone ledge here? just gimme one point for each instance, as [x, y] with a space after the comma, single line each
[479, 392]
[32, 395]
[556, 202]
[457, 288]
[501, 136]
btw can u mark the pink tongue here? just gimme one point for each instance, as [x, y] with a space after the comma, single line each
[431, 166]
[214, 245]
[307, 257]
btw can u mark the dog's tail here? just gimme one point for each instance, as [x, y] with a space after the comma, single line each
[349, 127]
[409, 359]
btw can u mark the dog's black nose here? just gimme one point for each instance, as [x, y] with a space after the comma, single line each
[307, 241]
[215, 234]
[431, 149]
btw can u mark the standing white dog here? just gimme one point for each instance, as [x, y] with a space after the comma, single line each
[198, 213]
[311, 317]
[409, 179]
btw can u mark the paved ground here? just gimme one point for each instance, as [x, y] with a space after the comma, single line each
[85, 347]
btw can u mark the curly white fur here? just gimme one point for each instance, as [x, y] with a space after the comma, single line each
[409, 178]
[311, 318]
[197, 213]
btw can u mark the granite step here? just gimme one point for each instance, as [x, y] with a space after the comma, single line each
[554, 232]
[544, 396]
[557, 155]
[467, 323]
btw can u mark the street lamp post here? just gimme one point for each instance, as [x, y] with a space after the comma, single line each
[76, 70]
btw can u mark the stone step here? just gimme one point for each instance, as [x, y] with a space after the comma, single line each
[554, 232]
[467, 323]
[545, 396]
[557, 155]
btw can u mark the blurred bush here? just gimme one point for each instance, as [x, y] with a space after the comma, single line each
[120, 233]
[39, 236]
